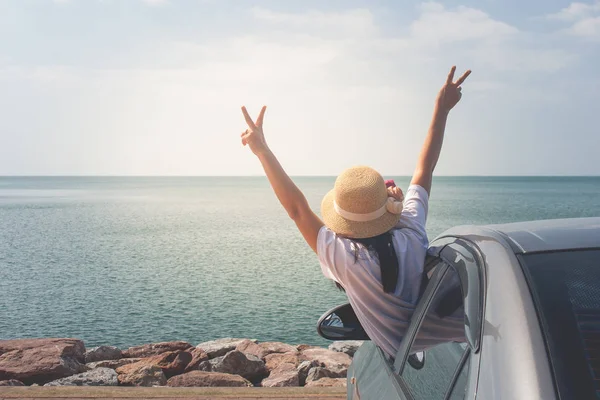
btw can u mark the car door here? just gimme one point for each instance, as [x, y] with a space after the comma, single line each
[371, 374]
[447, 327]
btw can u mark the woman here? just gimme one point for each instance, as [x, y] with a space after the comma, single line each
[372, 240]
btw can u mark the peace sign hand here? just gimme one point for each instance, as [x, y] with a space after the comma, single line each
[450, 93]
[254, 136]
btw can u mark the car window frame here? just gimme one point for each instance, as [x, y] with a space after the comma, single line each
[444, 250]
[472, 275]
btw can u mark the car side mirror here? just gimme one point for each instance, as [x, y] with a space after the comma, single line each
[341, 323]
[417, 360]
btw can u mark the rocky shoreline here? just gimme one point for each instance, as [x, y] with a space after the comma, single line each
[227, 362]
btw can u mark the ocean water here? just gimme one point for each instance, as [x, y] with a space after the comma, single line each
[127, 261]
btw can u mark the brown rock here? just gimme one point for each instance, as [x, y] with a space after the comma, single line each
[198, 356]
[40, 360]
[277, 347]
[236, 362]
[261, 350]
[249, 347]
[208, 379]
[332, 360]
[113, 364]
[346, 346]
[11, 382]
[220, 347]
[143, 375]
[153, 349]
[302, 347]
[328, 382]
[284, 375]
[304, 368]
[316, 373]
[272, 361]
[171, 363]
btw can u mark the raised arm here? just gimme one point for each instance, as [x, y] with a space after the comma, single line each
[290, 197]
[447, 98]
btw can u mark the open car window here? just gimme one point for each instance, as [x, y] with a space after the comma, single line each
[446, 325]
[441, 336]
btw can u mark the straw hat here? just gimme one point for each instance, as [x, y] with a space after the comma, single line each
[358, 207]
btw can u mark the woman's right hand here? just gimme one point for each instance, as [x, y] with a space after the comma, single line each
[396, 193]
[254, 136]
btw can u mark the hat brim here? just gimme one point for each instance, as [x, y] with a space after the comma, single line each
[353, 229]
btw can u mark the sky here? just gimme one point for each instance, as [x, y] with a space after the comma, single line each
[154, 87]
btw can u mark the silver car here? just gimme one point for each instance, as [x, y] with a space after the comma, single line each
[527, 296]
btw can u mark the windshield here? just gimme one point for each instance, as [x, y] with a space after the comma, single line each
[566, 290]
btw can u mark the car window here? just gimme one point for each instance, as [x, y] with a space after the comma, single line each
[441, 336]
[566, 293]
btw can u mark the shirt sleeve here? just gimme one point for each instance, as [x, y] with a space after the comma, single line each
[333, 252]
[414, 213]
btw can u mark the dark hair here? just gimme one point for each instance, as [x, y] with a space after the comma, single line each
[383, 246]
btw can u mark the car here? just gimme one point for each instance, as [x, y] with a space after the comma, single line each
[527, 296]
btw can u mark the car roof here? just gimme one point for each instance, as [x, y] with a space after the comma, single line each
[538, 236]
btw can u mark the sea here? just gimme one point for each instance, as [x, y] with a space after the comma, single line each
[125, 261]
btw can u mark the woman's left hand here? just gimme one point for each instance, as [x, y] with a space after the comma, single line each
[450, 93]
[254, 136]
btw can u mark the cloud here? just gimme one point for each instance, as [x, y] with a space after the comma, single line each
[576, 11]
[437, 24]
[328, 78]
[355, 22]
[587, 27]
[584, 19]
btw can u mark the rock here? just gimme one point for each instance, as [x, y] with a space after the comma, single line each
[206, 366]
[303, 369]
[113, 364]
[261, 350]
[328, 382]
[302, 347]
[143, 375]
[332, 360]
[284, 375]
[277, 347]
[249, 347]
[346, 346]
[11, 382]
[171, 363]
[153, 349]
[236, 362]
[102, 353]
[198, 356]
[316, 373]
[208, 379]
[40, 360]
[219, 347]
[95, 377]
[272, 361]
